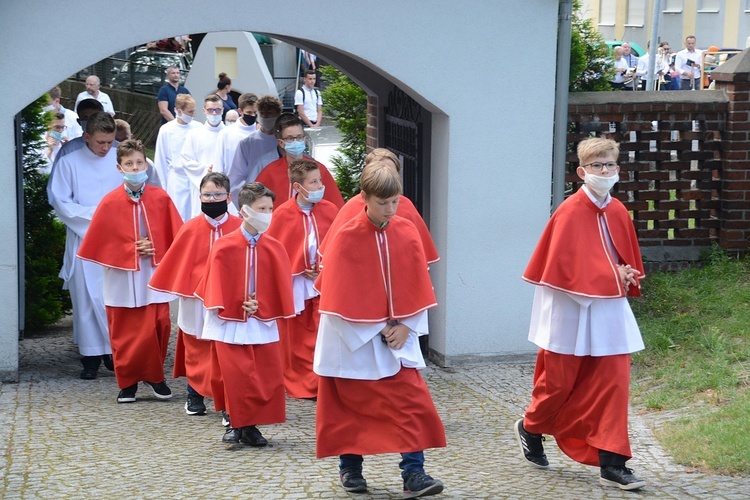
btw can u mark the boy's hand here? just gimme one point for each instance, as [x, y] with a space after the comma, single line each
[145, 247]
[250, 305]
[311, 274]
[628, 276]
[396, 335]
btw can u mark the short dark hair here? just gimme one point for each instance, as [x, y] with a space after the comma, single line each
[219, 179]
[100, 122]
[309, 72]
[284, 121]
[269, 104]
[253, 191]
[89, 104]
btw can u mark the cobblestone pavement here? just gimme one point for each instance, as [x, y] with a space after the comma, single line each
[68, 438]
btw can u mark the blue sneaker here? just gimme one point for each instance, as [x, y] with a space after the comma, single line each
[419, 484]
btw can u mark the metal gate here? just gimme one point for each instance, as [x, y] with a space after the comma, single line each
[403, 136]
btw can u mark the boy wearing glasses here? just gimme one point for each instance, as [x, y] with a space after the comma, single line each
[197, 155]
[291, 141]
[129, 234]
[179, 274]
[585, 264]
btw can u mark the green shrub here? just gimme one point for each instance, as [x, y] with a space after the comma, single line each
[46, 301]
[347, 104]
[590, 61]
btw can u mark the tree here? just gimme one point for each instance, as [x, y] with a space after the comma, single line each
[46, 301]
[347, 104]
[590, 60]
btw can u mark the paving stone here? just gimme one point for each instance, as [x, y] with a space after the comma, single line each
[63, 437]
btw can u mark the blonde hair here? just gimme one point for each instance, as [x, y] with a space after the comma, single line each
[182, 100]
[381, 154]
[596, 147]
[122, 126]
[380, 180]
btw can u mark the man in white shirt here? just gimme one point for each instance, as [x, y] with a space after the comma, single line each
[245, 167]
[688, 63]
[230, 136]
[308, 102]
[92, 91]
[81, 180]
[632, 61]
[72, 128]
[197, 157]
[169, 142]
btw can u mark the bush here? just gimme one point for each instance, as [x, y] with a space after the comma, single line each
[46, 301]
[590, 61]
[346, 103]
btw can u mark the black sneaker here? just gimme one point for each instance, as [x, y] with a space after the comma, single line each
[127, 395]
[161, 391]
[352, 481]
[419, 484]
[225, 418]
[89, 373]
[109, 363]
[620, 477]
[252, 436]
[231, 436]
[194, 405]
[531, 446]
[90, 367]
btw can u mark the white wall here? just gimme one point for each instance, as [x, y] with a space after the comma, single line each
[492, 124]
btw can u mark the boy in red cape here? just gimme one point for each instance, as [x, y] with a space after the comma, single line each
[247, 286]
[300, 224]
[179, 274]
[406, 208]
[130, 232]
[585, 264]
[291, 140]
[375, 291]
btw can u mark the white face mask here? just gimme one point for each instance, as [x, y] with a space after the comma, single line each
[182, 116]
[599, 184]
[258, 220]
[213, 120]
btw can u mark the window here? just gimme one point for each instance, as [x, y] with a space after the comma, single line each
[673, 6]
[607, 12]
[636, 13]
[709, 5]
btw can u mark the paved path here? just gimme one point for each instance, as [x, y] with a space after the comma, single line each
[67, 438]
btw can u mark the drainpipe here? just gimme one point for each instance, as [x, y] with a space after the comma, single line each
[560, 137]
[655, 18]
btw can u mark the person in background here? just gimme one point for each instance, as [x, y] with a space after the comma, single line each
[223, 87]
[231, 117]
[92, 91]
[632, 62]
[165, 99]
[230, 137]
[688, 63]
[73, 129]
[169, 142]
[308, 103]
[55, 138]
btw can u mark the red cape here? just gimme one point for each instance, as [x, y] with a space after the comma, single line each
[572, 254]
[185, 261]
[111, 237]
[406, 209]
[222, 286]
[276, 178]
[288, 226]
[356, 287]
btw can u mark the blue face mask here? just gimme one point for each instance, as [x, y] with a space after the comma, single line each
[57, 136]
[135, 178]
[295, 148]
[315, 196]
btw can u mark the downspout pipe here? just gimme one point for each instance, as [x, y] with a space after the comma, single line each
[562, 79]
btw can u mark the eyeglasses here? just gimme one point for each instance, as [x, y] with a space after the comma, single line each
[214, 196]
[292, 139]
[214, 111]
[597, 167]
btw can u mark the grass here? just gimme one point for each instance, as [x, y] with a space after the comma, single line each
[696, 365]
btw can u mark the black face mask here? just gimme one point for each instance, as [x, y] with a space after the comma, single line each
[214, 209]
[248, 119]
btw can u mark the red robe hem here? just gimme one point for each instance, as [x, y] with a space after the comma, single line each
[369, 417]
